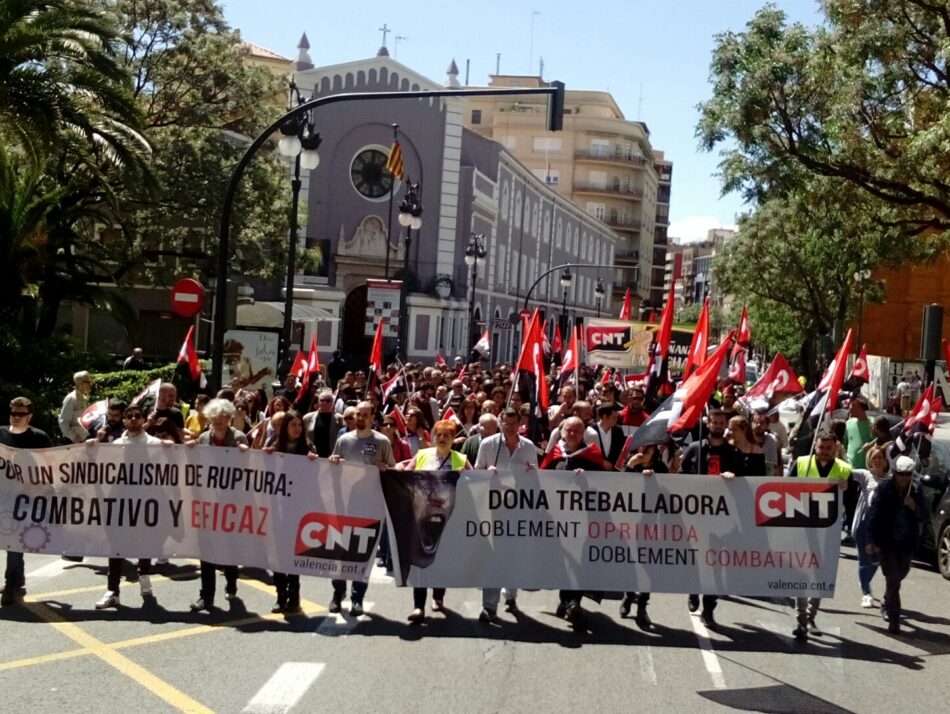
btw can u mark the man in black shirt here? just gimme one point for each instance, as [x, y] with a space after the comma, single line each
[19, 435]
[165, 406]
[323, 424]
[716, 457]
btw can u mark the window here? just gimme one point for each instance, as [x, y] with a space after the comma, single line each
[600, 147]
[547, 144]
[598, 179]
[476, 116]
[597, 210]
[552, 177]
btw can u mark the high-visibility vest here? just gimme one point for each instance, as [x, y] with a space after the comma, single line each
[428, 460]
[807, 467]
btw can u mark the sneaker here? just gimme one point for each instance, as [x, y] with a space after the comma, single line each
[201, 604]
[11, 596]
[894, 625]
[356, 608]
[417, 615]
[486, 615]
[708, 618]
[625, 606]
[110, 599]
[145, 585]
[380, 562]
[643, 619]
[334, 606]
[867, 601]
[800, 633]
[230, 592]
[511, 605]
[437, 606]
[693, 603]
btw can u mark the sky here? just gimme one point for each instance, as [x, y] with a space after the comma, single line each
[652, 56]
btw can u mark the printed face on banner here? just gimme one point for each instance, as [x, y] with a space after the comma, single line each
[420, 504]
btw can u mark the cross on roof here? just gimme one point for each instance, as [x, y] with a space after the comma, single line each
[385, 30]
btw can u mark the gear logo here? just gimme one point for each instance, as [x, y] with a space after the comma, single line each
[34, 538]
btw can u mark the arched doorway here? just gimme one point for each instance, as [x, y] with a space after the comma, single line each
[354, 344]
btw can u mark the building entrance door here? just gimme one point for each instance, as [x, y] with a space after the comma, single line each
[354, 344]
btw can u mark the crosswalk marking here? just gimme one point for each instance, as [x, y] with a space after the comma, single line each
[710, 660]
[285, 688]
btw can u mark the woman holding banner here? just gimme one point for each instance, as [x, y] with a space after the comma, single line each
[290, 440]
[441, 457]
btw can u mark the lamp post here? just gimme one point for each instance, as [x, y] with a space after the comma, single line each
[567, 280]
[298, 141]
[410, 216]
[599, 293]
[475, 255]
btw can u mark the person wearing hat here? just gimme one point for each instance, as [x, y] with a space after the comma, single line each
[821, 464]
[897, 515]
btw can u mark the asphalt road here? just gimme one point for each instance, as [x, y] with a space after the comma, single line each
[60, 654]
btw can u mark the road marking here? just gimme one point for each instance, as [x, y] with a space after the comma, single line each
[285, 688]
[710, 660]
[160, 688]
[647, 670]
[341, 624]
[50, 570]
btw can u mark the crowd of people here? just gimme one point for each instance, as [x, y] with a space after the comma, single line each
[441, 417]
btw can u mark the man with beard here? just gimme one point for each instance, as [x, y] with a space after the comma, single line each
[634, 414]
[109, 427]
[506, 451]
[716, 457]
[361, 445]
[19, 435]
[573, 454]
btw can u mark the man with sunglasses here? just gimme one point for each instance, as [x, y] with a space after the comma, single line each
[323, 424]
[19, 435]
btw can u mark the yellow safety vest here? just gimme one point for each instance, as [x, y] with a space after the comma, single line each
[428, 460]
[807, 467]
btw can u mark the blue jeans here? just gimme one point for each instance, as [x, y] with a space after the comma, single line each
[867, 564]
[14, 575]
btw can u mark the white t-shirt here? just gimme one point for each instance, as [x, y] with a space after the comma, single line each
[143, 437]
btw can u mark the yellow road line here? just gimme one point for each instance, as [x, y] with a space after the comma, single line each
[43, 659]
[38, 597]
[160, 688]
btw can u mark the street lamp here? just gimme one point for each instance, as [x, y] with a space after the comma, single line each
[410, 216]
[475, 255]
[299, 141]
[599, 293]
[567, 280]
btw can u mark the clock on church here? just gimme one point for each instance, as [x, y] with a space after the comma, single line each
[368, 173]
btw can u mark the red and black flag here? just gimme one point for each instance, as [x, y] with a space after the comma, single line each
[375, 376]
[189, 356]
[625, 309]
[700, 343]
[740, 349]
[570, 361]
[531, 362]
[658, 385]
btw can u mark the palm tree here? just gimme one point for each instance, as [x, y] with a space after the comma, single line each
[61, 71]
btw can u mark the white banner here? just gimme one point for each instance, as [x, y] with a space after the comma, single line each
[276, 511]
[614, 532]
[626, 345]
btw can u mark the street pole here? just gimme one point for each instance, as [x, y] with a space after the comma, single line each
[287, 335]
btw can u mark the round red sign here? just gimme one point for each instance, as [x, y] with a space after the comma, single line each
[187, 297]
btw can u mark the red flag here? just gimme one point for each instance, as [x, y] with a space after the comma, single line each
[923, 413]
[778, 378]
[588, 452]
[570, 360]
[393, 385]
[188, 354]
[625, 309]
[531, 359]
[700, 343]
[737, 369]
[558, 345]
[298, 367]
[449, 414]
[310, 367]
[440, 360]
[859, 370]
[658, 376]
[400, 420]
[376, 354]
[834, 375]
[483, 346]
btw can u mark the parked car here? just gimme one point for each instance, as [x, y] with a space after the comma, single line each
[935, 482]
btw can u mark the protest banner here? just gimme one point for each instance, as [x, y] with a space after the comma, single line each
[626, 345]
[277, 511]
[619, 532]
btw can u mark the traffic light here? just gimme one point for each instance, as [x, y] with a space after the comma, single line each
[556, 107]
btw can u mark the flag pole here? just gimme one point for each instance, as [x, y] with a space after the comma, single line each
[389, 222]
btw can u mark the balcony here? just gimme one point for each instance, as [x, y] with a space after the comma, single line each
[622, 224]
[626, 257]
[611, 157]
[611, 190]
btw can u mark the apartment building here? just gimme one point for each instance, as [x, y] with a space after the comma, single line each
[601, 161]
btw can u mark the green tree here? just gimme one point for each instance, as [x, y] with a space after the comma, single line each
[862, 99]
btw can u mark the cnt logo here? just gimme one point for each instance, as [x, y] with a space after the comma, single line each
[324, 535]
[797, 503]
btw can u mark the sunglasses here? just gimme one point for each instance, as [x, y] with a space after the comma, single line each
[134, 416]
[19, 414]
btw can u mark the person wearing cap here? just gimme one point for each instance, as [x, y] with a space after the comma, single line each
[821, 464]
[897, 515]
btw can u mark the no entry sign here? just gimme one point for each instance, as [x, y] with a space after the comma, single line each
[187, 297]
